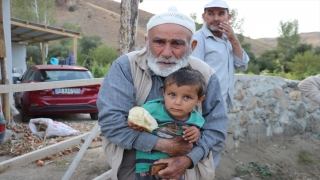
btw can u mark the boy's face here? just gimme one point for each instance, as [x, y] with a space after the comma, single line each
[180, 101]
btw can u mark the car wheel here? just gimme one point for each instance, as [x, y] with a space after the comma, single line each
[94, 116]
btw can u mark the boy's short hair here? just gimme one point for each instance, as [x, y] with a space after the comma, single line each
[187, 76]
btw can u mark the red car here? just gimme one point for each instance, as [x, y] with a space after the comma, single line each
[68, 100]
[2, 127]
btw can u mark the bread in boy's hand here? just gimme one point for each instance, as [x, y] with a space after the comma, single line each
[142, 118]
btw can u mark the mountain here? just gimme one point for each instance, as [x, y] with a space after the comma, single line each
[102, 17]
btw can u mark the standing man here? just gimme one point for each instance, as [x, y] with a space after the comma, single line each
[220, 48]
[138, 77]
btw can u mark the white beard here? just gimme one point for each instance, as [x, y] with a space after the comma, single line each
[165, 70]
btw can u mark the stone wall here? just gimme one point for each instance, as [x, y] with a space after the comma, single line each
[265, 106]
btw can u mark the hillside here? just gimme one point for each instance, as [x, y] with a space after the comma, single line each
[102, 17]
[309, 38]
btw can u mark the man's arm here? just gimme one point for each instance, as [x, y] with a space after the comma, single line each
[241, 59]
[214, 130]
[241, 64]
[310, 87]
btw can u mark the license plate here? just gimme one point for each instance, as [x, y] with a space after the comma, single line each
[67, 91]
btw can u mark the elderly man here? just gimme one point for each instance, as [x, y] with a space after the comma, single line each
[219, 47]
[138, 77]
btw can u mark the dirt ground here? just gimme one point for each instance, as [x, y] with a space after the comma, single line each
[278, 158]
[292, 158]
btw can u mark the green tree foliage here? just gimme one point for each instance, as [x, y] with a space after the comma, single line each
[194, 17]
[267, 60]
[289, 38]
[39, 11]
[34, 52]
[89, 42]
[301, 48]
[57, 50]
[71, 27]
[103, 55]
[100, 71]
[316, 50]
[236, 22]
[305, 64]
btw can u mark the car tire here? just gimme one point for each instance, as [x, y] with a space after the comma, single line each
[94, 116]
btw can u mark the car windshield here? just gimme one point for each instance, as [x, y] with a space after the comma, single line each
[60, 75]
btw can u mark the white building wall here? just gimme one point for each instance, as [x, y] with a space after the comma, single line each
[19, 53]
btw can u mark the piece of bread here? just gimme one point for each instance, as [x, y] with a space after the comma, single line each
[142, 118]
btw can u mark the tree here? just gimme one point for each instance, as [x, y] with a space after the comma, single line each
[236, 22]
[39, 11]
[289, 38]
[103, 55]
[301, 48]
[129, 23]
[57, 50]
[89, 42]
[71, 27]
[194, 17]
[267, 60]
[317, 50]
[35, 53]
[306, 64]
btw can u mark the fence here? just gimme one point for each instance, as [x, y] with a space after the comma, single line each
[52, 149]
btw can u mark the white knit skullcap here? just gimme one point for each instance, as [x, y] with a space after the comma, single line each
[174, 17]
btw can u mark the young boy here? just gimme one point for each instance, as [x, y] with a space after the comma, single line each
[182, 91]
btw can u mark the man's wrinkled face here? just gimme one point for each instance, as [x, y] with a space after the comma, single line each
[214, 16]
[168, 48]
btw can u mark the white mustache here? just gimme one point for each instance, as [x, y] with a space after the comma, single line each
[167, 61]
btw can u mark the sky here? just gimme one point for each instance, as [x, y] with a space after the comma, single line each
[261, 17]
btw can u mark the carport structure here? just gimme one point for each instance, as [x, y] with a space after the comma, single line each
[23, 33]
[30, 33]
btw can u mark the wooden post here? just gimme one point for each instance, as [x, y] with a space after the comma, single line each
[94, 132]
[75, 49]
[43, 53]
[128, 25]
[4, 80]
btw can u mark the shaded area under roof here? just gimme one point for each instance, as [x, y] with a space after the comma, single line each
[29, 32]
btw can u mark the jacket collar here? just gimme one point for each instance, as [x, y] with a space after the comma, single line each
[142, 60]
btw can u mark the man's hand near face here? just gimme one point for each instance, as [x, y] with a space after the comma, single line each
[228, 31]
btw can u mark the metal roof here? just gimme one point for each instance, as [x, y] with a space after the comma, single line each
[29, 32]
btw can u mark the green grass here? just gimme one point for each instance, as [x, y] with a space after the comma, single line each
[256, 169]
[305, 157]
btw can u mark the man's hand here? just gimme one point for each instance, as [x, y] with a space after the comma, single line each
[227, 29]
[176, 167]
[176, 146]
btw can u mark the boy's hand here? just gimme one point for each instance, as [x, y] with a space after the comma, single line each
[135, 127]
[191, 134]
